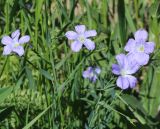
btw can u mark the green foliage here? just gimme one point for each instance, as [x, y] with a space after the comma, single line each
[44, 89]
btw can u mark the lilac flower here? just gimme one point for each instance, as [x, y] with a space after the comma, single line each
[14, 44]
[91, 73]
[139, 48]
[125, 68]
[80, 37]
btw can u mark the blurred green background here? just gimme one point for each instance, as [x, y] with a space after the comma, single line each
[44, 89]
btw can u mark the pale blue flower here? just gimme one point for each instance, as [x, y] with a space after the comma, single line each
[91, 73]
[125, 68]
[14, 44]
[80, 38]
[138, 48]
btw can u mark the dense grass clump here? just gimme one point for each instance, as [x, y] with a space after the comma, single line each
[55, 86]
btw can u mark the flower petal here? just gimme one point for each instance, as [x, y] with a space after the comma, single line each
[80, 29]
[141, 34]
[6, 40]
[97, 70]
[87, 73]
[7, 50]
[93, 78]
[76, 46]
[90, 45]
[149, 47]
[132, 81]
[19, 50]
[24, 39]
[141, 58]
[133, 65]
[120, 59]
[90, 33]
[71, 35]
[130, 45]
[115, 69]
[122, 82]
[15, 33]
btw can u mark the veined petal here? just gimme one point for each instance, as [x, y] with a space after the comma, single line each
[6, 40]
[132, 81]
[90, 33]
[141, 58]
[24, 39]
[133, 65]
[76, 46]
[130, 46]
[122, 82]
[141, 34]
[115, 69]
[7, 50]
[120, 59]
[15, 33]
[80, 29]
[71, 35]
[149, 47]
[19, 50]
[90, 45]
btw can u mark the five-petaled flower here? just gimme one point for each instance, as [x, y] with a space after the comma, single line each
[139, 49]
[80, 37]
[14, 44]
[91, 73]
[125, 68]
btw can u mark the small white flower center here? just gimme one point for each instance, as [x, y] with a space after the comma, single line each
[16, 44]
[123, 72]
[81, 39]
[91, 74]
[140, 48]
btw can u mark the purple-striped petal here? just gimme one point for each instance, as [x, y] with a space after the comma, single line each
[130, 45]
[90, 45]
[149, 47]
[90, 33]
[80, 29]
[71, 35]
[132, 81]
[6, 40]
[7, 50]
[122, 82]
[115, 69]
[76, 46]
[141, 34]
[19, 50]
[24, 39]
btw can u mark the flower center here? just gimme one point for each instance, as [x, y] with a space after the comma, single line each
[81, 39]
[141, 48]
[123, 72]
[16, 44]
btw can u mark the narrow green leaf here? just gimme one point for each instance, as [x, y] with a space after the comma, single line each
[36, 118]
